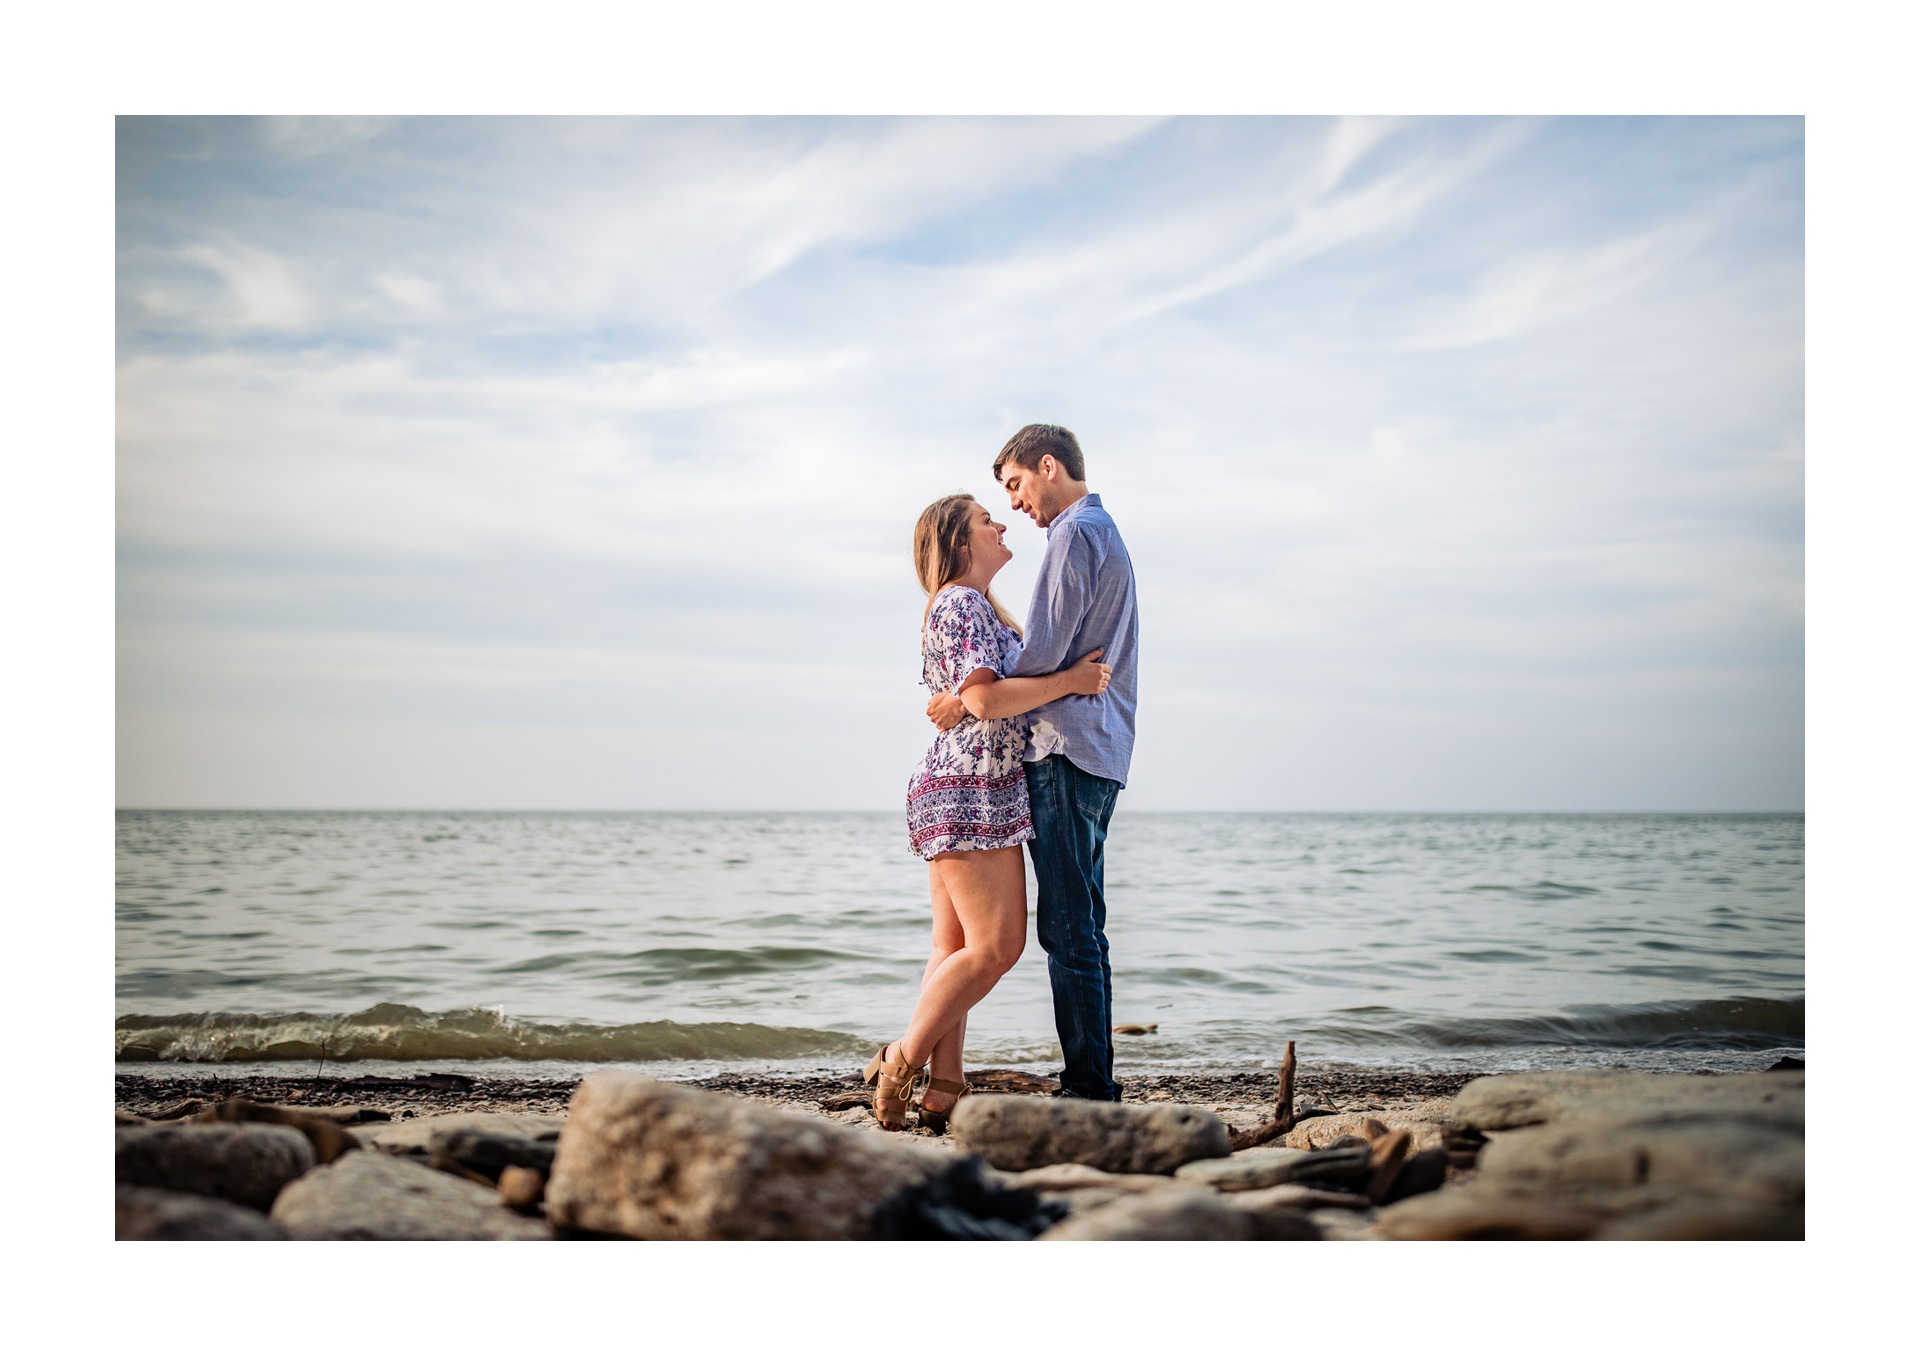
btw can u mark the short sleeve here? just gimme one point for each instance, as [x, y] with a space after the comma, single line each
[966, 636]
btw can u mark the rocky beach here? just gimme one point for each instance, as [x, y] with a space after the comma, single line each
[1330, 1152]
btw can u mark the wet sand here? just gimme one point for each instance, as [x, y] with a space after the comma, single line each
[1240, 1099]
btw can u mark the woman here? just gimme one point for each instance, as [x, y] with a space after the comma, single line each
[967, 802]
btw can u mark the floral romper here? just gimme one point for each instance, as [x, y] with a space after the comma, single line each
[970, 791]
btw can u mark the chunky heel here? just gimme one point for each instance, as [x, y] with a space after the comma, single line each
[936, 1121]
[892, 1081]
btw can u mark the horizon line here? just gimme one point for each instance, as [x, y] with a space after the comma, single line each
[645, 810]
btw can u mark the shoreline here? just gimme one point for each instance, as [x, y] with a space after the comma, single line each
[1236, 1096]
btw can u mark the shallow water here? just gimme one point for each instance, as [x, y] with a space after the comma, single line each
[692, 941]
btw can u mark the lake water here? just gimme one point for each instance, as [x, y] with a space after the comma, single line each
[547, 943]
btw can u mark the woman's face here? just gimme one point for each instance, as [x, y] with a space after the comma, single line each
[985, 545]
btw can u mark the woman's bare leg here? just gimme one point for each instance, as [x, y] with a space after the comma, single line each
[988, 893]
[948, 1060]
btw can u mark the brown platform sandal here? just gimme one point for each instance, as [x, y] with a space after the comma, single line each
[936, 1121]
[892, 1081]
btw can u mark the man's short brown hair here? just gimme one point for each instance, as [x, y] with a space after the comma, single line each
[1043, 440]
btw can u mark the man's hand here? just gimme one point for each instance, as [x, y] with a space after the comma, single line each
[946, 710]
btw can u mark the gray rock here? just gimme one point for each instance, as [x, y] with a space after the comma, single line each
[1017, 1133]
[1178, 1214]
[657, 1160]
[1477, 1213]
[246, 1164]
[381, 1196]
[1248, 1170]
[1719, 1158]
[150, 1214]
[1509, 1101]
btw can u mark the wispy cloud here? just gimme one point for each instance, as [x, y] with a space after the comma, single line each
[1556, 285]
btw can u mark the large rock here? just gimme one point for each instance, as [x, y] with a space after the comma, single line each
[1477, 1213]
[1018, 1133]
[1699, 1157]
[150, 1214]
[1709, 1220]
[380, 1196]
[656, 1160]
[1509, 1101]
[246, 1164]
[1179, 1214]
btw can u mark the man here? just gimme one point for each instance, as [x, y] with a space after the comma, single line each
[1080, 746]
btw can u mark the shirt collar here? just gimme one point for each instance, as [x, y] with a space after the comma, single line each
[1088, 500]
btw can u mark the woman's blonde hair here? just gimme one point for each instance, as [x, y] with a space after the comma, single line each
[943, 529]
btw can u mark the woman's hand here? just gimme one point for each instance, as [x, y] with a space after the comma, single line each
[1087, 677]
[946, 710]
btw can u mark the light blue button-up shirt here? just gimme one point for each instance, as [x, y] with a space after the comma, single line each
[1083, 601]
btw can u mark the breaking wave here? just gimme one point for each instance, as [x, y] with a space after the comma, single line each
[394, 1031]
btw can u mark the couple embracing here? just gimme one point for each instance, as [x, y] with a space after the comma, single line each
[1036, 731]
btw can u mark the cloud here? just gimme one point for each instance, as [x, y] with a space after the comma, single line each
[262, 291]
[1338, 216]
[1552, 286]
[599, 430]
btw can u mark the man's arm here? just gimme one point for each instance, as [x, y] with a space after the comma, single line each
[1062, 597]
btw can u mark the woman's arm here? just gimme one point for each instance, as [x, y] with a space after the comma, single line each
[988, 697]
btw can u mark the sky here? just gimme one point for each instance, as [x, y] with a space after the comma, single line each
[572, 463]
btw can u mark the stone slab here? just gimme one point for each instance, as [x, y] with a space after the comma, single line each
[384, 1196]
[1019, 1133]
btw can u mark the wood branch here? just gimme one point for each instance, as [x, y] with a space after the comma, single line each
[1282, 1112]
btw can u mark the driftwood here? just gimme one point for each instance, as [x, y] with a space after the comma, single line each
[1389, 1155]
[328, 1139]
[1282, 1112]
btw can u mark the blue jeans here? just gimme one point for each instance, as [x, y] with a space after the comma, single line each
[1071, 809]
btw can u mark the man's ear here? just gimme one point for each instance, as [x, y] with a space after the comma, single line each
[1048, 466]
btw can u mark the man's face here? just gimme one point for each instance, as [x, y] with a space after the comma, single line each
[1029, 489]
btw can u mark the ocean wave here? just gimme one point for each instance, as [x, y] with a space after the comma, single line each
[394, 1031]
[1713, 1024]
